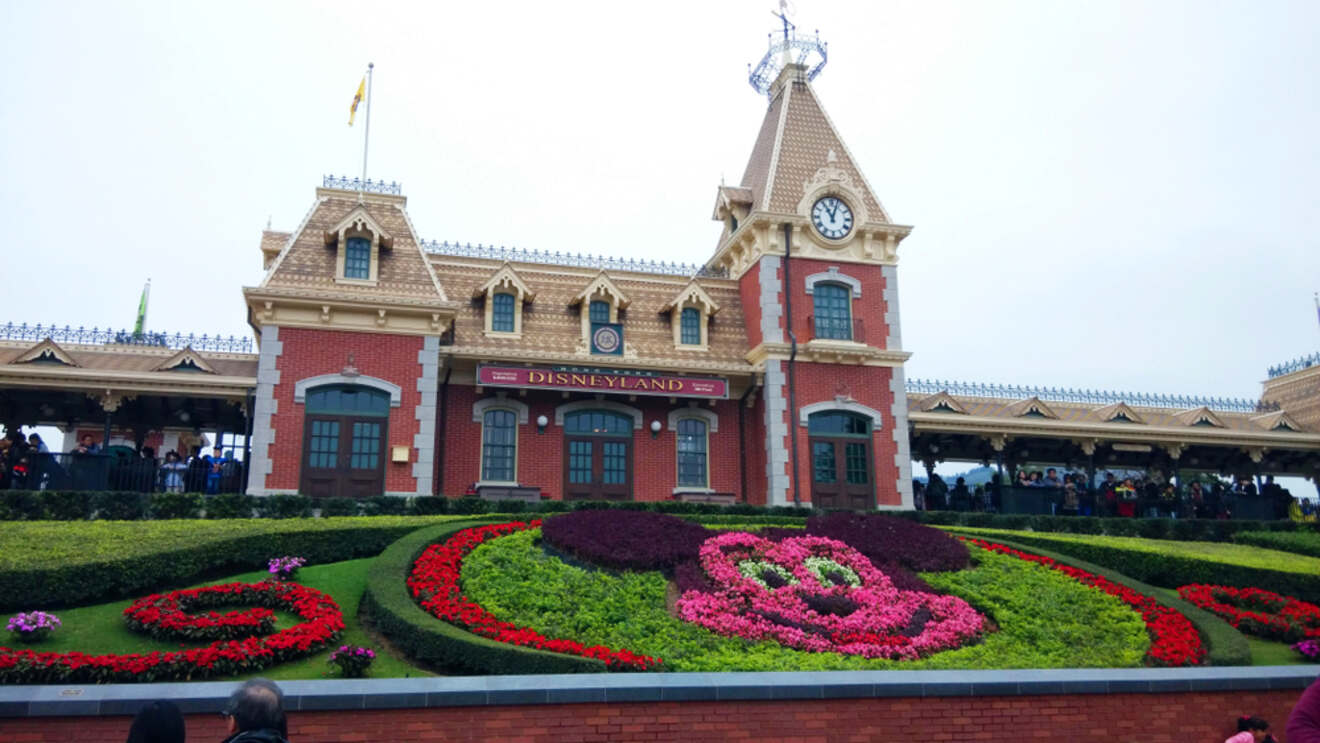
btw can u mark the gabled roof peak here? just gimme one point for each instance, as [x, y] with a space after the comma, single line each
[47, 351]
[601, 284]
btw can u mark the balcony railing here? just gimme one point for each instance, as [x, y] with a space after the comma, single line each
[1304, 362]
[831, 329]
[97, 336]
[344, 183]
[99, 472]
[1088, 397]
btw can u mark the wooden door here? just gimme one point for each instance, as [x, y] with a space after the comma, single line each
[598, 456]
[343, 456]
[841, 474]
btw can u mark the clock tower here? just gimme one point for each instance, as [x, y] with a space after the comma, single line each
[815, 254]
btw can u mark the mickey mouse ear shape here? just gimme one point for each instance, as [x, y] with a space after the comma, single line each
[625, 540]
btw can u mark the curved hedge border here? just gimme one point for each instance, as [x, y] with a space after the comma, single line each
[79, 584]
[1298, 542]
[1225, 646]
[424, 638]
[1171, 571]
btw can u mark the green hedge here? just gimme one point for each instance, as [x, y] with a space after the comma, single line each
[1168, 570]
[1183, 530]
[1225, 646]
[46, 565]
[424, 638]
[1300, 542]
[51, 505]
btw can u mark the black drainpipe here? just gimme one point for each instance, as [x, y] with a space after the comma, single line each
[742, 439]
[792, 366]
[438, 486]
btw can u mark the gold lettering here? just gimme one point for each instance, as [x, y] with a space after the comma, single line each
[658, 385]
[611, 381]
[561, 378]
[536, 377]
[675, 385]
[580, 379]
[595, 380]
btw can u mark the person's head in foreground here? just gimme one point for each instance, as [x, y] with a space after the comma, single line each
[255, 713]
[158, 722]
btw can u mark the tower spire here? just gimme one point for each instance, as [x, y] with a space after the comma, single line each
[810, 53]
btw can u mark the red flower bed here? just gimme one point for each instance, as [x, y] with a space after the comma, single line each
[166, 616]
[1258, 612]
[324, 622]
[434, 583]
[1174, 641]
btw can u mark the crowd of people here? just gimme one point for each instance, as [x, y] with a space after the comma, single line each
[27, 463]
[1145, 496]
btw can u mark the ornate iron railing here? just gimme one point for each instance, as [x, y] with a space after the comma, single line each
[344, 183]
[577, 260]
[1295, 365]
[1088, 397]
[97, 336]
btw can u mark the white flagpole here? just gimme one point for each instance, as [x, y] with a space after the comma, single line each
[366, 135]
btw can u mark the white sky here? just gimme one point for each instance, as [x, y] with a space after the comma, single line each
[1117, 195]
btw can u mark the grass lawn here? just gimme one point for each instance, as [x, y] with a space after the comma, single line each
[101, 629]
[1270, 653]
[1221, 552]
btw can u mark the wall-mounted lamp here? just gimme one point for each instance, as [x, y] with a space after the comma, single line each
[541, 423]
[655, 429]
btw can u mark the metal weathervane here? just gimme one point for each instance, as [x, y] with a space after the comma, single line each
[790, 49]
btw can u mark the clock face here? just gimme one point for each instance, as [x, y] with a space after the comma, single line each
[832, 217]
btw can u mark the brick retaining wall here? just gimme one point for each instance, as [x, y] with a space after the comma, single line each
[910, 706]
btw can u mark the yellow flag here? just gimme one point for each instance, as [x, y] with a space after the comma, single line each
[357, 98]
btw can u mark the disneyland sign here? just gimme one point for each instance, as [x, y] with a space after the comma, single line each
[619, 381]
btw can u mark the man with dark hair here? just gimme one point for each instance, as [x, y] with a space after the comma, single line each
[255, 712]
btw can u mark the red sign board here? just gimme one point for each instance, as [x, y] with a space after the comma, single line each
[601, 380]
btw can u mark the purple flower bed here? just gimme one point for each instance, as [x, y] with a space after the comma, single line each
[625, 540]
[888, 540]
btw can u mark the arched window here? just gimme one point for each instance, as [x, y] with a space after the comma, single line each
[501, 319]
[357, 258]
[598, 423]
[599, 311]
[342, 399]
[499, 445]
[833, 311]
[690, 332]
[692, 447]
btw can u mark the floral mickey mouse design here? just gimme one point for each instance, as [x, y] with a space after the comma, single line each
[818, 594]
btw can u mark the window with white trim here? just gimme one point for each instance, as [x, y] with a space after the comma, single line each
[499, 445]
[832, 305]
[599, 311]
[357, 258]
[692, 446]
[690, 327]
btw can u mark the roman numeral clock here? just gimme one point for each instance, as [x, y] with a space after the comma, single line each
[832, 217]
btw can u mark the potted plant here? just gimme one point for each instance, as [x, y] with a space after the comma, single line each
[33, 626]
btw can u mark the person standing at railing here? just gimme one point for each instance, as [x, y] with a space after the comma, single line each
[1126, 495]
[215, 464]
[83, 468]
[172, 472]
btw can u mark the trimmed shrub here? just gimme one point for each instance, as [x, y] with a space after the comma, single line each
[176, 505]
[283, 506]
[884, 539]
[385, 505]
[429, 504]
[424, 638]
[68, 505]
[22, 505]
[625, 540]
[230, 506]
[340, 507]
[1299, 542]
[112, 506]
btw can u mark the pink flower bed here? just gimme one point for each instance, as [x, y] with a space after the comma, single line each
[819, 594]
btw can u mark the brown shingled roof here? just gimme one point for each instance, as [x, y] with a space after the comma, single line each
[552, 328]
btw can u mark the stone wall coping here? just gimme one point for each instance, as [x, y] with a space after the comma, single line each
[345, 694]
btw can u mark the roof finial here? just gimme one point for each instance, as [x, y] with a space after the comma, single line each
[790, 50]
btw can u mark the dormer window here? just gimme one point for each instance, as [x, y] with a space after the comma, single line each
[501, 313]
[358, 240]
[690, 312]
[599, 305]
[357, 258]
[599, 311]
[504, 295]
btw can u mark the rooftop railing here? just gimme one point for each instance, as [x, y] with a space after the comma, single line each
[577, 260]
[344, 183]
[1087, 397]
[1295, 365]
[97, 336]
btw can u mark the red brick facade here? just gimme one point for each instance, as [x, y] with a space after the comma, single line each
[1199, 717]
[311, 353]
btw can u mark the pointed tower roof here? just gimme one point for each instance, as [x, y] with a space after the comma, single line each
[796, 140]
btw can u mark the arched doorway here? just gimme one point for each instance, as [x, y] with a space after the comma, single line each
[841, 470]
[344, 441]
[597, 455]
